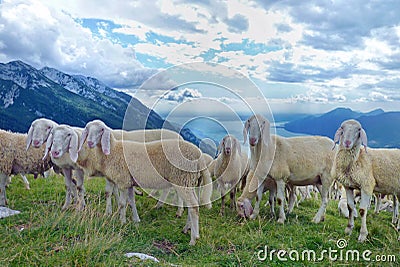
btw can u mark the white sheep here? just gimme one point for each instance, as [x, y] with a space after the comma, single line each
[373, 170]
[305, 160]
[230, 167]
[40, 133]
[16, 160]
[154, 165]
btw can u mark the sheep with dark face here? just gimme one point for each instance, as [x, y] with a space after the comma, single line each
[230, 167]
[299, 161]
[375, 170]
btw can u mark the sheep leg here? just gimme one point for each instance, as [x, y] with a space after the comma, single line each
[351, 207]
[272, 195]
[292, 198]
[280, 198]
[233, 198]
[81, 189]
[3, 183]
[26, 182]
[132, 203]
[123, 196]
[109, 191]
[162, 198]
[365, 201]
[223, 192]
[69, 186]
[192, 222]
[324, 191]
[395, 214]
[260, 191]
[378, 203]
[396, 210]
[180, 210]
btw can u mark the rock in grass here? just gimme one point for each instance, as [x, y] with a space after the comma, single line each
[6, 212]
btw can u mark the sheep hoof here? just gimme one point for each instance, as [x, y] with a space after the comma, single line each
[348, 230]
[253, 216]
[208, 206]
[318, 219]
[186, 229]
[192, 242]
[281, 220]
[362, 237]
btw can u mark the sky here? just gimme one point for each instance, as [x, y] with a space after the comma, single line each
[279, 56]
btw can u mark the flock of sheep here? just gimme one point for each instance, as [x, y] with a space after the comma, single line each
[161, 159]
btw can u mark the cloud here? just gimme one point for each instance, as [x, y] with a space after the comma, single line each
[237, 23]
[182, 95]
[42, 36]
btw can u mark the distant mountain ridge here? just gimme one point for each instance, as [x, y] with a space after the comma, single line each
[383, 128]
[27, 93]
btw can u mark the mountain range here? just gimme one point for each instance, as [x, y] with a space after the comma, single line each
[27, 93]
[382, 128]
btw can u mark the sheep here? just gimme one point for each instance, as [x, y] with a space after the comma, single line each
[305, 160]
[375, 170]
[16, 160]
[230, 166]
[40, 132]
[154, 165]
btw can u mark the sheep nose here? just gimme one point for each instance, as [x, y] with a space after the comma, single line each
[227, 150]
[253, 141]
[55, 153]
[36, 142]
[347, 143]
[90, 144]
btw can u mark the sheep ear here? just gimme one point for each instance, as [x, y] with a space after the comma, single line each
[29, 137]
[364, 139]
[265, 132]
[49, 143]
[105, 141]
[220, 146]
[73, 148]
[239, 148]
[84, 135]
[337, 135]
[245, 130]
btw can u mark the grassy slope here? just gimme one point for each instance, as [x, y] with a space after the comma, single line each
[54, 238]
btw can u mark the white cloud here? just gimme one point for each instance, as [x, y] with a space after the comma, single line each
[181, 95]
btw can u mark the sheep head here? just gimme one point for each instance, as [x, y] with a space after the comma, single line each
[63, 139]
[351, 134]
[228, 145]
[39, 132]
[257, 128]
[96, 132]
[244, 208]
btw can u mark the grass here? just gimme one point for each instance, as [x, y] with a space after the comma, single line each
[43, 235]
